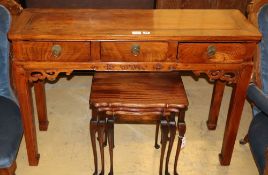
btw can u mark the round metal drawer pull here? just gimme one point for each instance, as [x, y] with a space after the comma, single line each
[211, 50]
[56, 50]
[135, 50]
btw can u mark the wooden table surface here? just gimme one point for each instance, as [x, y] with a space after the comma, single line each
[218, 43]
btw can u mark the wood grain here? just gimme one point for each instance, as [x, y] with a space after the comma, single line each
[127, 90]
[149, 51]
[161, 25]
[225, 53]
[42, 51]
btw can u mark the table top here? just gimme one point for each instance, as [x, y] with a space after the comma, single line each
[120, 24]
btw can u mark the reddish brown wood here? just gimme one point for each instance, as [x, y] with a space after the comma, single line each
[224, 53]
[95, 51]
[147, 51]
[146, 98]
[266, 165]
[119, 90]
[216, 100]
[13, 6]
[182, 129]
[40, 98]
[93, 131]
[118, 25]
[217, 26]
[26, 108]
[234, 114]
[10, 170]
[70, 51]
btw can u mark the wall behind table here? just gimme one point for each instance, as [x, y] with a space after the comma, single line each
[205, 4]
[147, 4]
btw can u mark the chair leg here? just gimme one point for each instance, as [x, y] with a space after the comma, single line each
[110, 134]
[164, 138]
[93, 131]
[244, 140]
[172, 131]
[182, 129]
[265, 172]
[101, 136]
[10, 170]
[156, 145]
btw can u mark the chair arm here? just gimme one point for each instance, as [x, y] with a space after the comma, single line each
[259, 99]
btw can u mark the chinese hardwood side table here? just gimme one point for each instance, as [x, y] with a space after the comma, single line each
[218, 43]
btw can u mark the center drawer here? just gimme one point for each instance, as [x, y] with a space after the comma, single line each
[138, 51]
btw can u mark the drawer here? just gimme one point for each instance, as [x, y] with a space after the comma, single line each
[51, 51]
[138, 51]
[215, 52]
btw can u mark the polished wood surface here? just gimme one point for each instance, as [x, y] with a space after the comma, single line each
[145, 98]
[234, 37]
[121, 90]
[70, 51]
[85, 24]
[147, 51]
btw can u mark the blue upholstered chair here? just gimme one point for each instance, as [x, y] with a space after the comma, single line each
[258, 91]
[10, 122]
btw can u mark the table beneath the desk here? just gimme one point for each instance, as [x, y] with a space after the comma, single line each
[218, 43]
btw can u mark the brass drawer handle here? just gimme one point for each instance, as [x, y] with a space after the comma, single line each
[135, 50]
[56, 50]
[211, 50]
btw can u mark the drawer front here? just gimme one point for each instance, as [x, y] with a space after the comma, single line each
[215, 52]
[138, 51]
[52, 51]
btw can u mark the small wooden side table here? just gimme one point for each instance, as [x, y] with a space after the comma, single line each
[145, 98]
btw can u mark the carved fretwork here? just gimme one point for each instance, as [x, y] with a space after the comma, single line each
[35, 75]
[228, 76]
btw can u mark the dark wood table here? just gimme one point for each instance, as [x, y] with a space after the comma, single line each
[218, 43]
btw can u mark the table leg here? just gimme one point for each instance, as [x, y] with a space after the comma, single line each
[215, 104]
[40, 98]
[234, 114]
[164, 135]
[182, 129]
[156, 145]
[93, 130]
[172, 131]
[26, 108]
[110, 125]
[101, 137]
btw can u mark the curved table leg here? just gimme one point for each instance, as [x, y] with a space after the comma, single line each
[181, 128]
[93, 131]
[172, 131]
[110, 134]
[156, 145]
[101, 136]
[164, 135]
